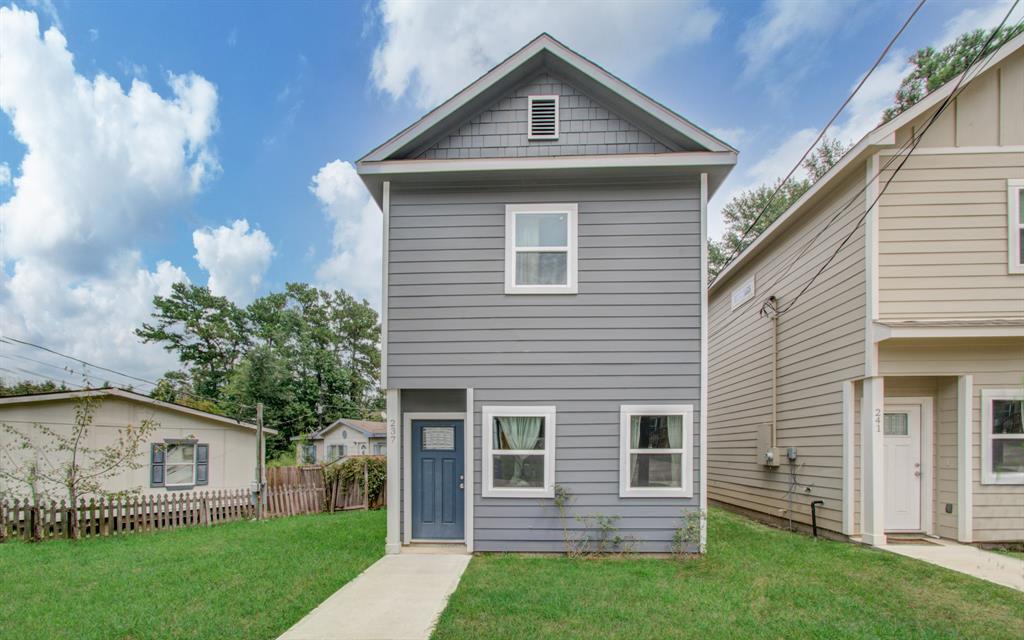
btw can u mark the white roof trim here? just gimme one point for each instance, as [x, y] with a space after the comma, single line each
[884, 331]
[609, 161]
[542, 43]
[132, 397]
[882, 136]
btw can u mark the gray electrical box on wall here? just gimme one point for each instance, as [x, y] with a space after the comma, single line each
[767, 455]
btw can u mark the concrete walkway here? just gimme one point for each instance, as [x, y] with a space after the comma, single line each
[399, 597]
[987, 565]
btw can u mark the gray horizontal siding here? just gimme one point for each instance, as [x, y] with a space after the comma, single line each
[585, 128]
[631, 335]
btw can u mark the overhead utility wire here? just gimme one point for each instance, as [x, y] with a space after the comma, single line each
[916, 139]
[821, 134]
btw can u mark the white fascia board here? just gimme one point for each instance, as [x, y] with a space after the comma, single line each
[682, 159]
[888, 332]
[541, 44]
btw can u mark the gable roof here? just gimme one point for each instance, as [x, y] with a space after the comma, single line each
[881, 137]
[368, 428]
[544, 52]
[131, 396]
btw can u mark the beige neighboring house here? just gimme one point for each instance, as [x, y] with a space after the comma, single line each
[189, 449]
[899, 372]
[340, 439]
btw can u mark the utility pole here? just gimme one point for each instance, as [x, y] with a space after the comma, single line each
[260, 453]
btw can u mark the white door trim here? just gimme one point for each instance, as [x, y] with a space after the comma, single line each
[927, 454]
[469, 428]
[393, 543]
[407, 468]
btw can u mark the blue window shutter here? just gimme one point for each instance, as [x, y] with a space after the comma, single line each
[156, 465]
[202, 463]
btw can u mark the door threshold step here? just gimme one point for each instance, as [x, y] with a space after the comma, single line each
[437, 548]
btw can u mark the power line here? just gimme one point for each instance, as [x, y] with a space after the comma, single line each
[916, 139]
[821, 134]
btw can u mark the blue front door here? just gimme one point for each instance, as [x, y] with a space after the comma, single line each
[437, 480]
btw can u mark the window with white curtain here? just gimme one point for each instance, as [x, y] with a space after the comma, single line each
[655, 451]
[519, 452]
[540, 248]
[1002, 436]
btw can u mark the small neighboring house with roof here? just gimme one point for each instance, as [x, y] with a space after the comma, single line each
[340, 439]
[891, 390]
[543, 308]
[189, 448]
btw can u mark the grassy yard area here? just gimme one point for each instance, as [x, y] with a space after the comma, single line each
[238, 580]
[755, 582]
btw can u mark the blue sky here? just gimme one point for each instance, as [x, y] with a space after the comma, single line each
[228, 166]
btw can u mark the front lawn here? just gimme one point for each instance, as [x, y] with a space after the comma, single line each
[755, 582]
[237, 580]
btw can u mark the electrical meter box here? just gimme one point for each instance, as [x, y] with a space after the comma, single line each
[767, 455]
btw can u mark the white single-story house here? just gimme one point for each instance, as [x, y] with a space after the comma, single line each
[341, 438]
[188, 448]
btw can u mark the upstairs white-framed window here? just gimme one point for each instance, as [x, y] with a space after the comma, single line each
[655, 451]
[1015, 217]
[518, 452]
[541, 248]
[1002, 436]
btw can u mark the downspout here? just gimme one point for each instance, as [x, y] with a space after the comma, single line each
[770, 311]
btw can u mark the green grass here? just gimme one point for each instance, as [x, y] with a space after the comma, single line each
[755, 582]
[237, 580]
[1013, 553]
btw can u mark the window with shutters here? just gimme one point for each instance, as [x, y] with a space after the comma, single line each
[176, 464]
[542, 117]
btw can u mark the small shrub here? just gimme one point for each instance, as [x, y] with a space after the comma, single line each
[350, 471]
[687, 535]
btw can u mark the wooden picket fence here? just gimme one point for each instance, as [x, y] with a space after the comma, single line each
[109, 517]
[340, 498]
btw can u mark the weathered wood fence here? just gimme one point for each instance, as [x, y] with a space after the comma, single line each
[103, 517]
[341, 498]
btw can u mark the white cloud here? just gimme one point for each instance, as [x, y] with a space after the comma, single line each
[431, 50]
[236, 259]
[94, 35]
[355, 262]
[5, 174]
[731, 135]
[864, 112]
[983, 16]
[47, 7]
[783, 23]
[101, 166]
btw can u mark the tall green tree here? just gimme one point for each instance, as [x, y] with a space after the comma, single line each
[934, 68]
[208, 333]
[310, 356]
[744, 211]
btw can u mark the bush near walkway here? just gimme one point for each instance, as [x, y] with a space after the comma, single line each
[237, 580]
[755, 582]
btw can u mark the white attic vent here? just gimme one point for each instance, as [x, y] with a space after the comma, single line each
[542, 118]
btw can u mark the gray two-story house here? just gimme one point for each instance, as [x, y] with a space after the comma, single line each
[544, 309]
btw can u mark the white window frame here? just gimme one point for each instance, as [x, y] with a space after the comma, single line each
[529, 118]
[341, 448]
[1013, 189]
[168, 464]
[628, 411]
[488, 414]
[988, 476]
[571, 250]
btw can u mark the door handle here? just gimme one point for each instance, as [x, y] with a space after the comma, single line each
[917, 473]
[462, 486]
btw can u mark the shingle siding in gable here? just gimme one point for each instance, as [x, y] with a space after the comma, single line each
[585, 128]
[631, 336]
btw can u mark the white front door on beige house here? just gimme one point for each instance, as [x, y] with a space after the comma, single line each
[902, 443]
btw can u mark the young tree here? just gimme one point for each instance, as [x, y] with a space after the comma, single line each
[932, 68]
[48, 458]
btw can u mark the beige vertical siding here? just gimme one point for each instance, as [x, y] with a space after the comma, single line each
[994, 363]
[943, 226]
[821, 344]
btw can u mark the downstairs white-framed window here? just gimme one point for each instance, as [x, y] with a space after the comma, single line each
[1015, 212]
[1002, 436]
[540, 248]
[655, 451]
[518, 452]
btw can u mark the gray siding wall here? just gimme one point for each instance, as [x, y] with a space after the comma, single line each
[631, 335]
[585, 128]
